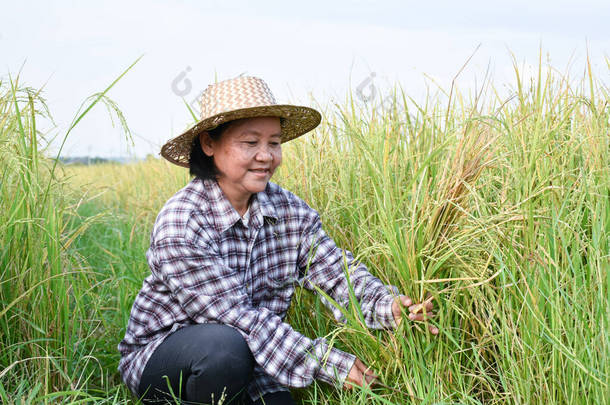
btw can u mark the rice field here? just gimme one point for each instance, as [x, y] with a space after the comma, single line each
[497, 206]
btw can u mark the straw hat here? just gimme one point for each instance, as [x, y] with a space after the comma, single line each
[241, 97]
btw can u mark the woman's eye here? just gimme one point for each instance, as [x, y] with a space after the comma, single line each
[251, 143]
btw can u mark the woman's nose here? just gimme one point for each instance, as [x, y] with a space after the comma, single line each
[264, 155]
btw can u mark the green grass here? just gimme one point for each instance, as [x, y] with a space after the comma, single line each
[498, 207]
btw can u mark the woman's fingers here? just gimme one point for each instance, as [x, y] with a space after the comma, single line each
[366, 371]
[428, 305]
[359, 364]
[419, 312]
[354, 377]
[359, 375]
[406, 301]
[399, 302]
[421, 317]
[370, 379]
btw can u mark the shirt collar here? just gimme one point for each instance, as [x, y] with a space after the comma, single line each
[267, 209]
[225, 215]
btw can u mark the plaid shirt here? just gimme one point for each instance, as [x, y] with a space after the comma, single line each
[208, 265]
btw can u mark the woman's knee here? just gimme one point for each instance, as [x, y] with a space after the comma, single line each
[209, 359]
[228, 352]
[225, 369]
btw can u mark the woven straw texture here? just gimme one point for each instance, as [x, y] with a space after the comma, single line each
[241, 97]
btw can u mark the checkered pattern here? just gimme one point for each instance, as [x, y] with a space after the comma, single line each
[208, 266]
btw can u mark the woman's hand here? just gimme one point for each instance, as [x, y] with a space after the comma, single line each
[417, 312]
[359, 375]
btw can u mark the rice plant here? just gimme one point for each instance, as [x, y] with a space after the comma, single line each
[498, 207]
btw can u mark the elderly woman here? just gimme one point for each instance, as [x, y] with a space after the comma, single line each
[225, 254]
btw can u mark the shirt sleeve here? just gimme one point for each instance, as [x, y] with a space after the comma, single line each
[209, 291]
[327, 267]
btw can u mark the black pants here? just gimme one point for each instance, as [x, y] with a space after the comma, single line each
[200, 363]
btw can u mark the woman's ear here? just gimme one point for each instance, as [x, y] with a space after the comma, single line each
[207, 144]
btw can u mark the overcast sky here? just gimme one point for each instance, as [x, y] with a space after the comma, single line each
[318, 49]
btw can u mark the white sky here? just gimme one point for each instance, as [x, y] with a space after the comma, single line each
[317, 49]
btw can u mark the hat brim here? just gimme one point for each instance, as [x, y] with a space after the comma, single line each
[298, 120]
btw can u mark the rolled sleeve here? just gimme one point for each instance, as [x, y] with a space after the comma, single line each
[335, 367]
[383, 311]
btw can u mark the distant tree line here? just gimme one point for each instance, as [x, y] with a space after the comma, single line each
[89, 160]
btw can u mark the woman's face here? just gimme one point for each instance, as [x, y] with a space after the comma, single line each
[246, 156]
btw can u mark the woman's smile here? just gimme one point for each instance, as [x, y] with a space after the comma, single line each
[261, 172]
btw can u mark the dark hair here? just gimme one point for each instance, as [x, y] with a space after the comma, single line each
[200, 164]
